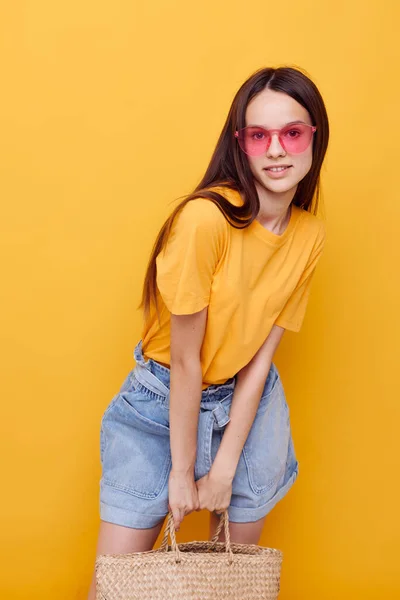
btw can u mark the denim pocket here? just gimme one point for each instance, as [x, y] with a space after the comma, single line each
[266, 448]
[273, 382]
[137, 457]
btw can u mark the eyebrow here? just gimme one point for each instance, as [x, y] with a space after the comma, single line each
[286, 124]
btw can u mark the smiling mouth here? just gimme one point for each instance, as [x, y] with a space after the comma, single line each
[277, 169]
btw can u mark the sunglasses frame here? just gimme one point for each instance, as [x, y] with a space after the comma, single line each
[270, 132]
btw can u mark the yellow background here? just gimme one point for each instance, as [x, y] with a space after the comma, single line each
[109, 111]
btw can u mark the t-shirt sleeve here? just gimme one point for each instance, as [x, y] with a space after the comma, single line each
[292, 315]
[187, 263]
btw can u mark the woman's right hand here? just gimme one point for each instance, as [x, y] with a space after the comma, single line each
[182, 496]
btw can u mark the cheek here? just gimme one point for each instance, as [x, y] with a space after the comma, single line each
[303, 163]
[256, 163]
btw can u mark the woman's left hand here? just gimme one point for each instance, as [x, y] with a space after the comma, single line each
[214, 492]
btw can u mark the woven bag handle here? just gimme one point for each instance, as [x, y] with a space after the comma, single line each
[170, 530]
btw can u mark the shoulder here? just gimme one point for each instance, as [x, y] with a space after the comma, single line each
[202, 209]
[202, 214]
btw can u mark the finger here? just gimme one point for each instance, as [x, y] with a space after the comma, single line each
[176, 513]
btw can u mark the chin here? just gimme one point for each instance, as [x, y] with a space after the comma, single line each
[278, 185]
[282, 185]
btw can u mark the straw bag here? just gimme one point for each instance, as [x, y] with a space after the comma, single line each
[191, 571]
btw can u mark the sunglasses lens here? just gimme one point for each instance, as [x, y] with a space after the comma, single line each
[253, 140]
[296, 138]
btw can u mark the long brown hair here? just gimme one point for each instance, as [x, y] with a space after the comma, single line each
[229, 167]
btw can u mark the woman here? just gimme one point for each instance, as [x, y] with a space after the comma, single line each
[202, 422]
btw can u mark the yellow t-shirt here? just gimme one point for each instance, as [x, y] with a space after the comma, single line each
[250, 279]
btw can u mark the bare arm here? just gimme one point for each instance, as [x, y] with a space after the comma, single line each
[246, 397]
[187, 334]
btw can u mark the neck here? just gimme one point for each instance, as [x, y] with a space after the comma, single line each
[275, 209]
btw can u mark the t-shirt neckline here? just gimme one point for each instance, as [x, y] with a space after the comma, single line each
[259, 230]
[273, 238]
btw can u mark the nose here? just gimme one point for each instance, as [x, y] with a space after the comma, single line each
[275, 148]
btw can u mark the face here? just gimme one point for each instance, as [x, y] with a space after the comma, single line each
[273, 110]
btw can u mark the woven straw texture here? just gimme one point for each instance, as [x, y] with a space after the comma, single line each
[191, 571]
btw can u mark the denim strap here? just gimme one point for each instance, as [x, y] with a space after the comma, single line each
[145, 376]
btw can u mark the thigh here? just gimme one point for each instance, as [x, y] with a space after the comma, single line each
[267, 466]
[240, 533]
[136, 460]
[116, 539]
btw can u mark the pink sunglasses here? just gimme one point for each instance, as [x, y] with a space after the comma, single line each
[295, 139]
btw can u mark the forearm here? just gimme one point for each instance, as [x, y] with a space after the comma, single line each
[246, 397]
[185, 397]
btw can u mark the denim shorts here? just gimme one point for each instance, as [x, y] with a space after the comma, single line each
[136, 458]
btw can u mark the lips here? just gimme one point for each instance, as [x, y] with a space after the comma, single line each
[278, 167]
[281, 174]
